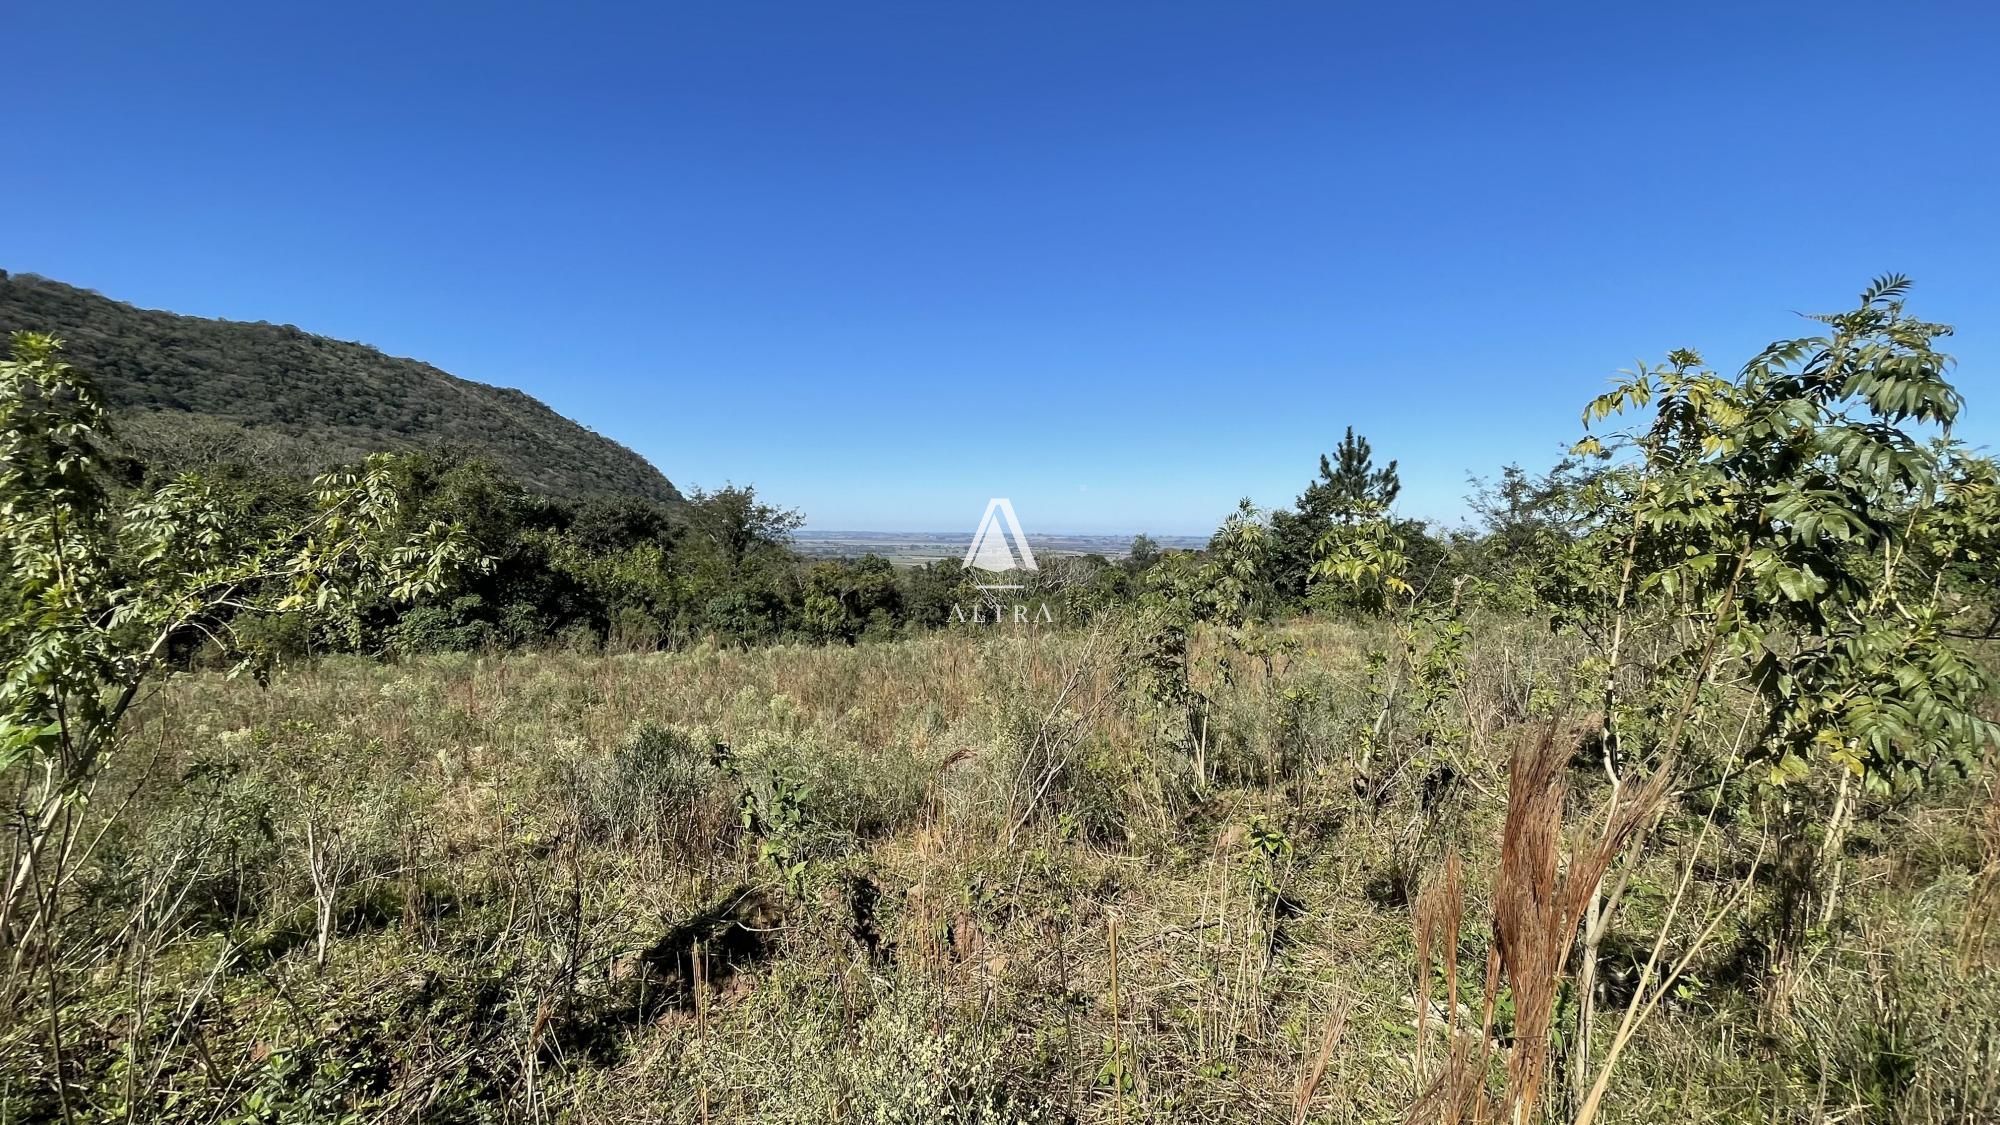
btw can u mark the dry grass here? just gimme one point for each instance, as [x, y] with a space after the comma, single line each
[914, 926]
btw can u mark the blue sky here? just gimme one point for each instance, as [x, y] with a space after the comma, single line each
[1123, 263]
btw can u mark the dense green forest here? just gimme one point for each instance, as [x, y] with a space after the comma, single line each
[191, 392]
[602, 553]
[629, 574]
[584, 544]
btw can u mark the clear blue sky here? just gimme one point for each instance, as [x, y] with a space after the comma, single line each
[1121, 263]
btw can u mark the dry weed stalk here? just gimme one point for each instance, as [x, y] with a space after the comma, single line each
[1643, 1005]
[1537, 905]
[1336, 1026]
[698, 963]
[1983, 901]
[1440, 911]
[1457, 1093]
[1117, 1031]
[1056, 738]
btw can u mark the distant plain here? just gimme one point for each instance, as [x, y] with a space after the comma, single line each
[915, 548]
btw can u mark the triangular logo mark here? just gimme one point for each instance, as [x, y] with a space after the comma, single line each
[999, 545]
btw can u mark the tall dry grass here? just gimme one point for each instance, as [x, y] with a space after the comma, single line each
[899, 864]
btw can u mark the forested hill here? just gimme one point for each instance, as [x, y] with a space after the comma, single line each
[273, 391]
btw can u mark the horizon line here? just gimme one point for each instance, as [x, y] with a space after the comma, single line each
[1031, 534]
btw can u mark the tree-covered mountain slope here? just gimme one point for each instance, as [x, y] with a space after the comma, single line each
[305, 400]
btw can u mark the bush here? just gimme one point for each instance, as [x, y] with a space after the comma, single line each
[662, 785]
[455, 627]
[812, 797]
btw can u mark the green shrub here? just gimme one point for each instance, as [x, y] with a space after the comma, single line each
[453, 627]
[813, 797]
[661, 785]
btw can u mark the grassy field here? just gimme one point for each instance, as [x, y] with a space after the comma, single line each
[948, 879]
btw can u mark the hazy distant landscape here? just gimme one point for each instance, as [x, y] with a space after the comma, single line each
[915, 548]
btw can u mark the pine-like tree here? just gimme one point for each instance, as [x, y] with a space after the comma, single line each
[1348, 487]
[1350, 482]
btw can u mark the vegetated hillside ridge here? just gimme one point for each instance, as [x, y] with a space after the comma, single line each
[312, 401]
